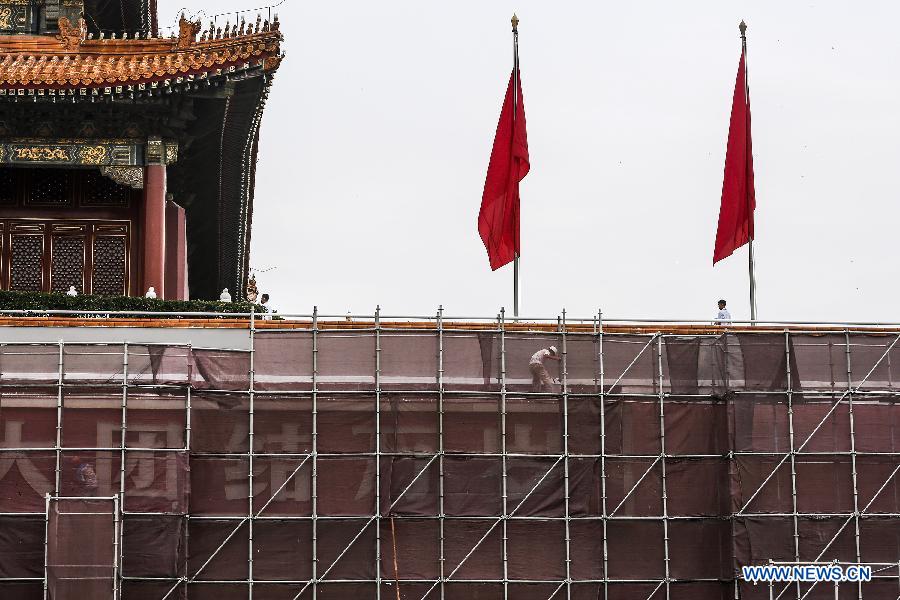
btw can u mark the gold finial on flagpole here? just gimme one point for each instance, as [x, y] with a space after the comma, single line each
[515, 22]
[743, 28]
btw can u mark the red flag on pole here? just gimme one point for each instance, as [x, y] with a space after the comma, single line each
[738, 195]
[498, 220]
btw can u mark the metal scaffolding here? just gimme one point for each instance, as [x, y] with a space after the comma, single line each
[394, 458]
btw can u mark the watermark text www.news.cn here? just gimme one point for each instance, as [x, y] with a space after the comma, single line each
[807, 573]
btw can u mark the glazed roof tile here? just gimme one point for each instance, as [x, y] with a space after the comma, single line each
[71, 61]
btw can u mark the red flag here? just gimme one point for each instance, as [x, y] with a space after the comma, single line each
[498, 220]
[738, 195]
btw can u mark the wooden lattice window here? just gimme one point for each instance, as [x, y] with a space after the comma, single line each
[99, 190]
[26, 271]
[67, 263]
[50, 187]
[9, 186]
[109, 265]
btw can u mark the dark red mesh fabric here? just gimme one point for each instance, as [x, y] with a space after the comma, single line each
[765, 361]
[283, 360]
[282, 424]
[346, 424]
[471, 361]
[21, 547]
[874, 362]
[685, 476]
[634, 487]
[583, 363]
[217, 549]
[282, 550]
[473, 548]
[93, 364]
[472, 486]
[160, 365]
[472, 424]
[700, 549]
[524, 562]
[25, 478]
[683, 362]
[409, 423]
[151, 590]
[157, 482]
[282, 485]
[635, 549]
[220, 422]
[220, 370]
[19, 590]
[409, 486]
[585, 414]
[81, 558]
[346, 486]
[408, 548]
[31, 364]
[586, 548]
[821, 362]
[631, 364]
[826, 539]
[409, 361]
[696, 427]
[153, 546]
[346, 360]
[220, 486]
[632, 426]
[878, 484]
[341, 559]
[534, 487]
[879, 539]
[647, 447]
[760, 539]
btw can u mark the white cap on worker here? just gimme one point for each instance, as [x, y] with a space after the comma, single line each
[553, 349]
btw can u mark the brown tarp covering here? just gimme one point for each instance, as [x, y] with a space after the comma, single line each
[81, 548]
[656, 468]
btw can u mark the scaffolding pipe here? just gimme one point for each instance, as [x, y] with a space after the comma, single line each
[662, 460]
[853, 472]
[816, 428]
[603, 492]
[251, 442]
[442, 558]
[377, 510]
[122, 456]
[503, 456]
[565, 448]
[315, 456]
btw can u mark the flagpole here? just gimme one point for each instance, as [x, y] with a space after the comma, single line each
[515, 32]
[743, 28]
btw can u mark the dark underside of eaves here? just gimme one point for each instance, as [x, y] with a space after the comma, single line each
[119, 15]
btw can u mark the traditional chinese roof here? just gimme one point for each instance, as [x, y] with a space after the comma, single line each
[38, 65]
[204, 91]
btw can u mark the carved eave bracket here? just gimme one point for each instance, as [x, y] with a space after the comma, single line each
[161, 152]
[133, 177]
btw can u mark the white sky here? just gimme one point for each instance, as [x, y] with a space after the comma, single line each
[378, 130]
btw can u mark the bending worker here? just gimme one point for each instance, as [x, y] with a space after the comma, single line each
[540, 378]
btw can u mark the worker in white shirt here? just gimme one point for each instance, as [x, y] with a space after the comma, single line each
[540, 378]
[723, 317]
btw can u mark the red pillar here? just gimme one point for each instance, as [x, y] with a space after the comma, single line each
[154, 229]
[176, 253]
